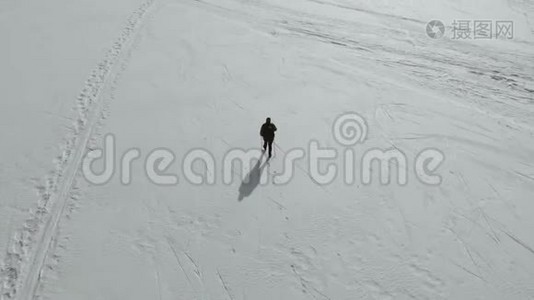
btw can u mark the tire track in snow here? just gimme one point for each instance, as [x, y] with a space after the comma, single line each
[22, 268]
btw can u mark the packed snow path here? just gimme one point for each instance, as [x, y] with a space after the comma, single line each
[187, 75]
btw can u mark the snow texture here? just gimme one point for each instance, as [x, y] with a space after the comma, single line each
[204, 74]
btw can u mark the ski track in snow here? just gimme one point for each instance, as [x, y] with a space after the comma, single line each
[489, 85]
[22, 270]
[23, 265]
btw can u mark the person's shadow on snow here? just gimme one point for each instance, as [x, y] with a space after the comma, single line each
[252, 180]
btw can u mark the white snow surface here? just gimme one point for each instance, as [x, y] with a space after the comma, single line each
[203, 74]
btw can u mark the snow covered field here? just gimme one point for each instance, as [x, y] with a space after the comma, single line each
[184, 75]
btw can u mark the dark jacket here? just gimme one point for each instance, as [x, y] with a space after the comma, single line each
[267, 131]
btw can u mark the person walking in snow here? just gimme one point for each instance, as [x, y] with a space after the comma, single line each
[267, 132]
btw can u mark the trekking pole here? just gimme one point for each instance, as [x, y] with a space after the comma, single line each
[276, 146]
